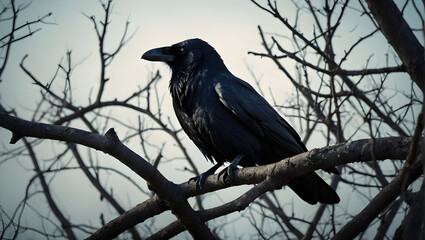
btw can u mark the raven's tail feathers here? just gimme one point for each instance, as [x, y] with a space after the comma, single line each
[312, 189]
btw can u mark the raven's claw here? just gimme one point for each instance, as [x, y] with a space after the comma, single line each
[230, 171]
[200, 179]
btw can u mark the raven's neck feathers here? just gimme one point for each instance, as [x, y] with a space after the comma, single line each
[185, 81]
[179, 87]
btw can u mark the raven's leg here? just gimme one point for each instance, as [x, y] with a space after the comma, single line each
[200, 180]
[230, 170]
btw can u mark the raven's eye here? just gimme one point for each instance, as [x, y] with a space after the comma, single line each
[182, 50]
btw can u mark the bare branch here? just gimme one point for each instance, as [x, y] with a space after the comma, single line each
[66, 225]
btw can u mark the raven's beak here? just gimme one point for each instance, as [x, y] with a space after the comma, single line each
[163, 54]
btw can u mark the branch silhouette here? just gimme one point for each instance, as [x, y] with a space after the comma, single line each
[268, 177]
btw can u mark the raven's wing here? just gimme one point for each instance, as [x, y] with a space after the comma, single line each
[252, 109]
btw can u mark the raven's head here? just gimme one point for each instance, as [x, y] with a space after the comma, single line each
[187, 55]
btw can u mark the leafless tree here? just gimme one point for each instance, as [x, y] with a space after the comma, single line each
[369, 114]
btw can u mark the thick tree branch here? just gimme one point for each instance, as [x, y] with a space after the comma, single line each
[110, 144]
[400, 36]
[357, 151]
[282, 172]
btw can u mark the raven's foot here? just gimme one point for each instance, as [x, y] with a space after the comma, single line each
[200, 179]
[230, 171]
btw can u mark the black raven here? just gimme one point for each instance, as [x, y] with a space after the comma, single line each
[227, 119]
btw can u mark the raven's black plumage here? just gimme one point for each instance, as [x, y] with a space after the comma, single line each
[225, 117]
